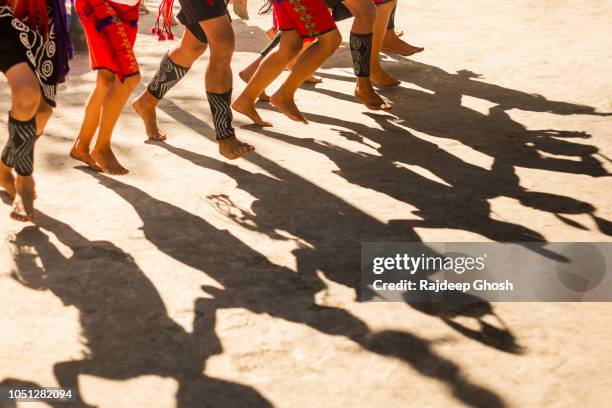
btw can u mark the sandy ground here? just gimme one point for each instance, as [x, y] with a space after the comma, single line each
[196, 282]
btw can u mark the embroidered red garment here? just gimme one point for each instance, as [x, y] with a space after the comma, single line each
[309, 18]
[111, 30]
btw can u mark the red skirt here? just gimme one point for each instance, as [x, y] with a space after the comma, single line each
[310, 18]
[110, 29]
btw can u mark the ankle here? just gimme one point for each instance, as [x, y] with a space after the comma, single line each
[246, 98]
[283, 94]
[80, 146]
[148, 100]
[101, 148]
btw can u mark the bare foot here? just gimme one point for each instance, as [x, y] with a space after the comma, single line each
[372, 100]
[392, 43]
[23, 206]
[108, 162]
[381, 78]
[313, 79]
[288, 107]
[246, 75]
[7, 180]
[240, 8]
[233, 148]
[246, 107]
[83, 155]
[145, 108]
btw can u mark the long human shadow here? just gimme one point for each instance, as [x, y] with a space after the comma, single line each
[464, 82]
[509, 143]
[331, 230]
[460, 201]
[337, 251]
[254, 283]
[124, 322]
[440, 113]
[495, 134]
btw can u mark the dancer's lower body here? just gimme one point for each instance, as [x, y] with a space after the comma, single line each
[204, 25]
[296, 20]
[112, 56]
[394, 44]
[33, 84]
[379, 76]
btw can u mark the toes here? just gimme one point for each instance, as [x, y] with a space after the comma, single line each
[17, 217]
[242, 149]
[120, 171]
[20, 217]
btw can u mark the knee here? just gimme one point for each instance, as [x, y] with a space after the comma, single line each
[26, 99]
[193, 49]
[197, 49]
[222, 48]
[331, 41]
[105, 81]
[131, 82]
[44, 110]
[366, 13]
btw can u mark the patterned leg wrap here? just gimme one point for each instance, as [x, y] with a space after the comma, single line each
[168, 75]
[361, 50]
[19, 150]
[275, 41]
[221, 113]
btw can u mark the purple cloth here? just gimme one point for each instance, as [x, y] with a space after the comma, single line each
[63, 44]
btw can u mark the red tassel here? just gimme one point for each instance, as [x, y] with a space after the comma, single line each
[163, 23]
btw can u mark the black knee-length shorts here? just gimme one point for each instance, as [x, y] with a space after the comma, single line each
[194, 11]
[10, 53]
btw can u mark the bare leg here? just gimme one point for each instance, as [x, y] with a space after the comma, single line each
[392, 43]
[379, 76]
[43, 114]
[364, 13]
[240, 8]
[7, 180]
[93, 111]
[247, 73]
[114, 103]
[306, 64]
[312, 79]
[250, 70]
[218, 78]
[269, 69]
[25, 100]
[185, 54]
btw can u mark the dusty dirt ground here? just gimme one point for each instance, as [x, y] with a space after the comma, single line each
[196, 282]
